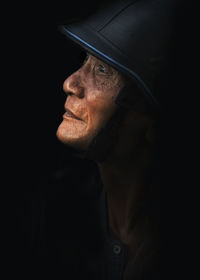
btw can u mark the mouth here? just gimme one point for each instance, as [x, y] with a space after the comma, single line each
[69, 114]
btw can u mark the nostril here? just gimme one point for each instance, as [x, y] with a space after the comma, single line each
[74, 88]
[68, 93]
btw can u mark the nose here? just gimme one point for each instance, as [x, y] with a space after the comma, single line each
[73, 85]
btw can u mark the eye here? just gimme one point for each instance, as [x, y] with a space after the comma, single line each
[102, 68]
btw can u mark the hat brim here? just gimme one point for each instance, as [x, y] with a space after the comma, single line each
[100, 47]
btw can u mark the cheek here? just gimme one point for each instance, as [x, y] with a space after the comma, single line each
[100, 98]
[111, 83]
[101, 94]
[100, 108]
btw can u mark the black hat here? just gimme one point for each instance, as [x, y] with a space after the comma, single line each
[132, 36]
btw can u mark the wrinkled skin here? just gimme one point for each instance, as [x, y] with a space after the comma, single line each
[126, 174]
[91, 92]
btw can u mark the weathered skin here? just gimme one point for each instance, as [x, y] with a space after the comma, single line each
[91, 93]
[126, 174]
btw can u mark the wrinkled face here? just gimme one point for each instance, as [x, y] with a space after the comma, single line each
[91, 93]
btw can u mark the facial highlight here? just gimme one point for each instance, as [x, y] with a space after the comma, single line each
[91, 93]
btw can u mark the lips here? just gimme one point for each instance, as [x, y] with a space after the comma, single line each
[69, 114]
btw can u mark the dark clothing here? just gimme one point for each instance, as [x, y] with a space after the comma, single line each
[70, 237]
[74, 237]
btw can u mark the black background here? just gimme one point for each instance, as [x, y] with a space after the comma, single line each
[39, 60]
[36, 59]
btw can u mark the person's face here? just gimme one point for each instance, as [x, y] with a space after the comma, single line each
[91, 93]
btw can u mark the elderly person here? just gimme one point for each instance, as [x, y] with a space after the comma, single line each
[110, 118]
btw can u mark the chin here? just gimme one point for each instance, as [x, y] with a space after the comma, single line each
[78, 142]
